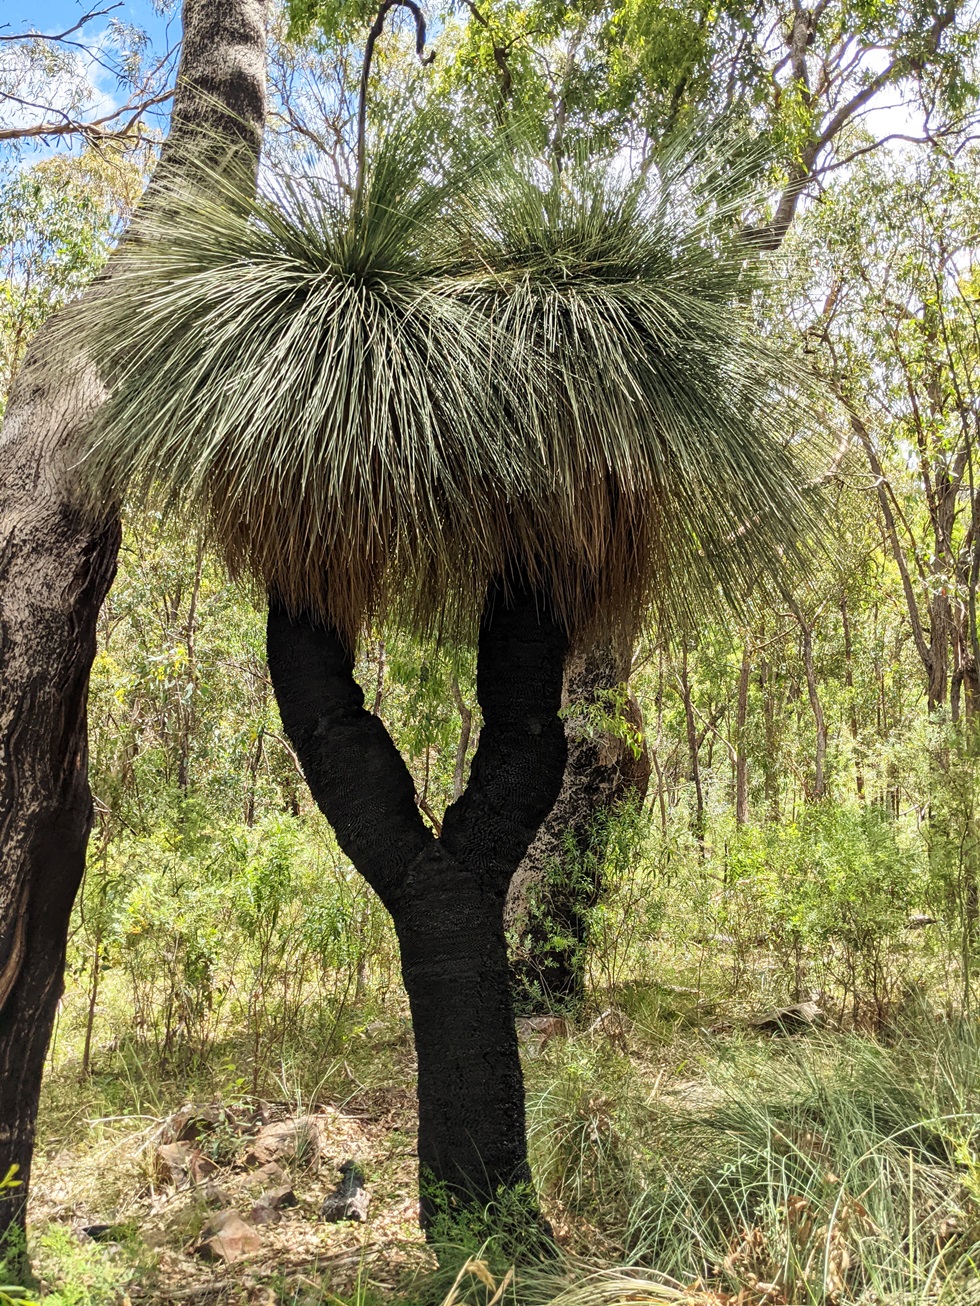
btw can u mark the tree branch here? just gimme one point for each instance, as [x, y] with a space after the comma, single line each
[516, 773]
[918, 632]
[94, 131]
[86, 18]
[375, 32]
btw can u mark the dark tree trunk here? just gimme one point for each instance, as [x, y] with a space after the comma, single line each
[560, 880]
[50, 600]
[55, 568]
[470, 1089]
[446, 894]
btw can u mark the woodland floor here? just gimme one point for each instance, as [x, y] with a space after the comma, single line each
[95, 1170]
[107, 1171]
[611, 1100]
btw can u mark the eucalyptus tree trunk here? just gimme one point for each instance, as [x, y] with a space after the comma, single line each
[816, 786]
[446, 895]
[694, 752]
[56, 565]
[741, 753]
[560, 880]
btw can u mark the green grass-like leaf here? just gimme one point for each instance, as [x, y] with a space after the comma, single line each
[377, 404]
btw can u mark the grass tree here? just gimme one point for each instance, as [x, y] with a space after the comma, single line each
[506, 405]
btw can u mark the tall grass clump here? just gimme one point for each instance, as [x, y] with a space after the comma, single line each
[841, 1171]
[586, 1120]
[818, 1172]
[379, 401]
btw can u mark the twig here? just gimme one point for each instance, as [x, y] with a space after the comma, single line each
[86, 18]
[375, 32]
[423, 805]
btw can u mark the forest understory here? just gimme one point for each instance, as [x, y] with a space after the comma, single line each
[767, 1094]
[688, 1148]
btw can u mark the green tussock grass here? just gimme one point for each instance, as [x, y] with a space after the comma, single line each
[831, 1171]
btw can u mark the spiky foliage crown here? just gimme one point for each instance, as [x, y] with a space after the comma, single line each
[377, 403]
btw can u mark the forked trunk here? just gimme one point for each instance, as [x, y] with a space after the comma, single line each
[445, 895]
[55, 568]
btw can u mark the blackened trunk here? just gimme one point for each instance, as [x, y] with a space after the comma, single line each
[471, 1139]
[56, 565]
[445, 895]
[49, 607]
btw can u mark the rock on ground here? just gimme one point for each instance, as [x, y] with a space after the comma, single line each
[286, 1140]
[226, 1237]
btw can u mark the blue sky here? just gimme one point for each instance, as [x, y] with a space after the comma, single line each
[57, 15]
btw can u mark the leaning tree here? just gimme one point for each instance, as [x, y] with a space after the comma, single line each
[502, 403]
[57, 560]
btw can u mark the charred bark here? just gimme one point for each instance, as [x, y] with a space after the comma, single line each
[54, 573]
[560, 880]
[56, 565]
[445, 894]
